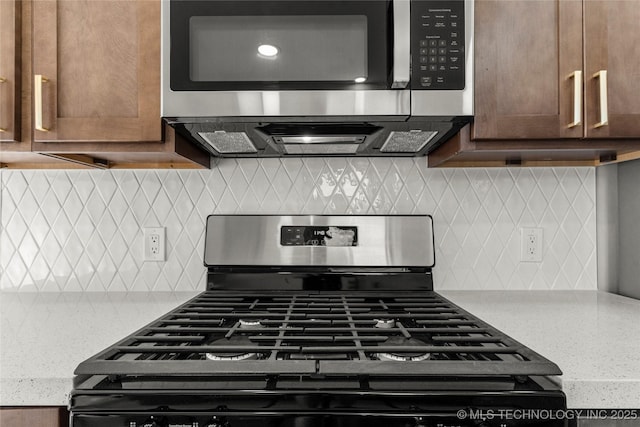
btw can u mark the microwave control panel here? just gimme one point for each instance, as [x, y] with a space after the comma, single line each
[437, 45]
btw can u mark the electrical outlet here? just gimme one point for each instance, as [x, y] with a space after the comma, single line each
[154, 244]
[531, 244]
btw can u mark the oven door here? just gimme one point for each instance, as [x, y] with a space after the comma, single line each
[310, 57]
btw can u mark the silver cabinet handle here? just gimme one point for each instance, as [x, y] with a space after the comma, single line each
[604, 109]
[37, 94]
[401, 44]
[577, 98]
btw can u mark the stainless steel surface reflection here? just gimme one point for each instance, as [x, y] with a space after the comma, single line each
[382, 241]
[284, 103]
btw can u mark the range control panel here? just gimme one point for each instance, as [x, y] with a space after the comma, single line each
[437, 44]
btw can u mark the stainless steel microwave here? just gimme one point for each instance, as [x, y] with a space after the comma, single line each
[318, 77]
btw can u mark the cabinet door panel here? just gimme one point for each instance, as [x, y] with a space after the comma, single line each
[9, 70]
[526, 51]
[90, 85]
[612, 43]
[34, 416]
[101, 62]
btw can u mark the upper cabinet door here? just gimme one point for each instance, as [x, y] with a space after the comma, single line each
[612, 68]
[96, 68]
[528, 80]
[9, 70]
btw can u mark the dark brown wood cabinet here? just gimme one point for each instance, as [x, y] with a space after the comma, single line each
[51, 416]
[526, 54]
[9, 71]
[96, 67]
[557, 69]
[90, 95]
[612, 45]
[555, 81]
[15, 113]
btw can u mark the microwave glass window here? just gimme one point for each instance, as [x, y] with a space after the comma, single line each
[290, 48]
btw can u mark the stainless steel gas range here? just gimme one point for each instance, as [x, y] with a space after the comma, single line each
[317, 321]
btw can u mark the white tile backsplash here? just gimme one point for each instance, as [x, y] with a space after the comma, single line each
[82, 230]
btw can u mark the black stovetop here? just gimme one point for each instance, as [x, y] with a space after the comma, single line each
[338, 336]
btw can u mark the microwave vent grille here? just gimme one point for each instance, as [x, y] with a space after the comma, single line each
[407, 142]
[320, 148]
[229, 142]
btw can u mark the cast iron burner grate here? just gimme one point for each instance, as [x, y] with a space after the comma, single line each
[306, 333]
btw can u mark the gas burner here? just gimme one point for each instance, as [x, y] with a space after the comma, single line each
[384, 323]
[237, 340]
[401, 356]
[250, 323]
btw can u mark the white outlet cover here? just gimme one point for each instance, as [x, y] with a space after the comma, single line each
[531, 244]
[148, 252]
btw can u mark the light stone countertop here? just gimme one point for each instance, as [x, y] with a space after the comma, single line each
[593, 336]
[44, 336]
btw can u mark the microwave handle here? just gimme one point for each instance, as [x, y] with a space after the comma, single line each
[401, 44]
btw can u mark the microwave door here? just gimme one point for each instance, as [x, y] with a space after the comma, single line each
[278, 45]
[281, 58]
[401, 44]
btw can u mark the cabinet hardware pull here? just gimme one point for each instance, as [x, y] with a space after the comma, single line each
[2, 80]
[577, 98]
[80, 159]
[37, 89]
[604, 110]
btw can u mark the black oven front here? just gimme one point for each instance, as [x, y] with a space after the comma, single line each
[320, 409]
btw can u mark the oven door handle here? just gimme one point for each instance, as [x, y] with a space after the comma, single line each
[401, 44]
